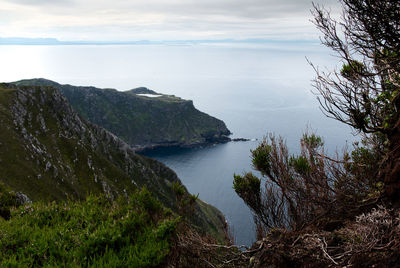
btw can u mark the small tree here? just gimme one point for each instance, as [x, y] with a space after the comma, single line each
[309, 188]
[365, 93]
[312, 188]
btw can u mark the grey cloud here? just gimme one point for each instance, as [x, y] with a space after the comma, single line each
[237, 8]
[60, 3]
[132, 19]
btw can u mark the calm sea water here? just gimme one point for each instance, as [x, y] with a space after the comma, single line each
[255, 88]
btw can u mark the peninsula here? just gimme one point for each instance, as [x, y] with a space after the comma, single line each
[141, 117]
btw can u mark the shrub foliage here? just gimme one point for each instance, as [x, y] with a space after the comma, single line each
[96, 232]
[309, 188]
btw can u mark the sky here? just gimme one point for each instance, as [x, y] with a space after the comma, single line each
[132, 20]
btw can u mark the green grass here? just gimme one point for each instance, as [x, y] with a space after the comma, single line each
[93, 233]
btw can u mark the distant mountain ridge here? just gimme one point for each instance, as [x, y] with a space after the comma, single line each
[47, 152]
[28, 41]
[56, 42]
[140, 120]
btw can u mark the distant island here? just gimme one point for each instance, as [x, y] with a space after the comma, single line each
[141, 117]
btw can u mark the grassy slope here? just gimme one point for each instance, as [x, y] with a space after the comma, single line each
[76, 168]
[48, 153]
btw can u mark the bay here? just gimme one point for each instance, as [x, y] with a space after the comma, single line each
[255, 89]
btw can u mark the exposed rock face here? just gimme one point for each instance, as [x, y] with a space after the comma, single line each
[21, 199]
[48, 152]
[141, 120]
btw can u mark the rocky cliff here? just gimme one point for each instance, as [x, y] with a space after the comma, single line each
[47, 152]
[142, 117]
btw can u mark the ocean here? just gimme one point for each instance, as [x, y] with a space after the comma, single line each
[255, 88]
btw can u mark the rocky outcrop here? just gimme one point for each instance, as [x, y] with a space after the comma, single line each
[141, 117]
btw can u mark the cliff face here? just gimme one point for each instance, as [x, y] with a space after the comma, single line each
[48, 152]
[142, 117]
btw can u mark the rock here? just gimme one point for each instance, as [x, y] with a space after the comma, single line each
[240, 139]
[21, 198]
[48, 166]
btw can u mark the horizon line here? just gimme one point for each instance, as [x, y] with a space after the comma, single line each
[55, 41]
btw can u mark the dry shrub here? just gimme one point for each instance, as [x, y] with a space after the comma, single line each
[373, 238]
[191, 249]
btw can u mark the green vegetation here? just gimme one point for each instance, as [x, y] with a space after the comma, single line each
[312, 210]
[97, 232]
[48, 153]
[141, 121]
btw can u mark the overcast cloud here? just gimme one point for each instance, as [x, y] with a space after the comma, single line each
[129, 20]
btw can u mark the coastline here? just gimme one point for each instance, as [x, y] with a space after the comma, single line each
[154, 146]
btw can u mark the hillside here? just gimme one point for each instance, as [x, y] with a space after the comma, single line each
[142, 117]
[47, 152]
[96, 232]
